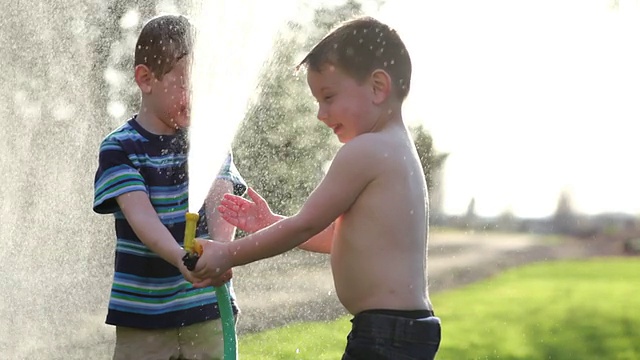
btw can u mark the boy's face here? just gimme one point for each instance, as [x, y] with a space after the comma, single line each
[344, 105]
[170, 96]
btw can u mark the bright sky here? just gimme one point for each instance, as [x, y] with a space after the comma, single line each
[529, 98]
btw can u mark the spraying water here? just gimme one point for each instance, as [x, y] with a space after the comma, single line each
[229, 53]
[220, 95]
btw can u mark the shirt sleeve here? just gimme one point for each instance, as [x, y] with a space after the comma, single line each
[116, 175]
[231, 173]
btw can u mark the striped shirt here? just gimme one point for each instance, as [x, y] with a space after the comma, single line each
[147, 291]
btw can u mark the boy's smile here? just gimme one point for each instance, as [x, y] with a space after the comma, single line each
[344, 105]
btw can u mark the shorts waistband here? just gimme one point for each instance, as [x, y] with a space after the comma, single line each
[409, 314]
[397, 328]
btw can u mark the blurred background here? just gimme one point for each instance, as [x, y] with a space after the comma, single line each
[524, 114]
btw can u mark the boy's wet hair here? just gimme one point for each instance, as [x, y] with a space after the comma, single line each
[163, 41]
[360, 46]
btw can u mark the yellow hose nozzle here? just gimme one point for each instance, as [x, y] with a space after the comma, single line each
[193, 249]
[190, 244]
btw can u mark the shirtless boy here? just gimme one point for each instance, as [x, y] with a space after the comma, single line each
[369, 212]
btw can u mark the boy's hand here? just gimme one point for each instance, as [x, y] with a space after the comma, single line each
[220, 280]
[214, 265]
[217, 281]
[188, 275]
[246, 215]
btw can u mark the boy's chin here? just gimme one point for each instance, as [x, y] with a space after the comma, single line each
[182, 123]
[342, 139]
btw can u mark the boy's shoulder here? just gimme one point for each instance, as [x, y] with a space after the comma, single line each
[375, 152]
[123, 134]
[122, 131]
[367, 145]
[362, 153]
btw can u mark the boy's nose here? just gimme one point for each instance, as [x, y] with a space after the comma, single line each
[322, 114]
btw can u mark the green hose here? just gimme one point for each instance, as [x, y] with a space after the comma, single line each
[194, 250]
[228, 322]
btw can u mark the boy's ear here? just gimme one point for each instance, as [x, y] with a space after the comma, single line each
[144, 78]
[381, 82]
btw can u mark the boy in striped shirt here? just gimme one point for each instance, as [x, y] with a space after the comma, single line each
[142, 179]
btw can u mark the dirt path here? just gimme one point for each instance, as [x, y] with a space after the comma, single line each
[298, 286]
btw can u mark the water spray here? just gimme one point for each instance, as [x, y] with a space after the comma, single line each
[229, 53]
[190, 259]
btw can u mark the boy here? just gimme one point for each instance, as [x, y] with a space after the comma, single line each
[142, 179]
[368, 212]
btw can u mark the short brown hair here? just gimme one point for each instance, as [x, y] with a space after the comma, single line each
[361, 46]
[163, 41]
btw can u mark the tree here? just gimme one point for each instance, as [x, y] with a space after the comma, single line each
[471, 210]
[507, 221]
[431, 162]
[281, 148]
[564, 218]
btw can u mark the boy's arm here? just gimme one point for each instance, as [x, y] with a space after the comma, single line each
[228, 180]
[256, 214]
[353, 168]
[144, 221]
[119, 186]
[219, 229]
[321, 242]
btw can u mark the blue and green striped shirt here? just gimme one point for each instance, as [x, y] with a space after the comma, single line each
[147, 291]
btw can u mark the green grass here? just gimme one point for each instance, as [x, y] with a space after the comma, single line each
[559, 310]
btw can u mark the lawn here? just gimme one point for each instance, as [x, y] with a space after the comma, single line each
[586, 309]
